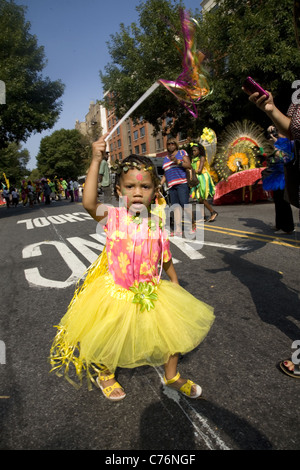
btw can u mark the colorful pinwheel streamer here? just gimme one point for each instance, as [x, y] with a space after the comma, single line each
[191, 86]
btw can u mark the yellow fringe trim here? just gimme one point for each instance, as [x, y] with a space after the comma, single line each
[62, 354]
[98, 268]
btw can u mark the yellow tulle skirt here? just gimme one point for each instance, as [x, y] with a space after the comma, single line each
[104, 328]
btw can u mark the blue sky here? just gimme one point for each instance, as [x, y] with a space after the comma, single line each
[74, 34]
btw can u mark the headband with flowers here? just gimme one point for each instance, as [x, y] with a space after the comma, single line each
[118, 167]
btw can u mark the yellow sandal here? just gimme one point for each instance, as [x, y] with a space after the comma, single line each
[107, 391]
[186, 388]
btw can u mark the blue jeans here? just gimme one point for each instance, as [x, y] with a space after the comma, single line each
[179, 194]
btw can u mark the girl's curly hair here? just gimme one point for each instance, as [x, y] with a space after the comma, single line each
[131, 162]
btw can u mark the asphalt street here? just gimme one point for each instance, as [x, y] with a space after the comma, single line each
[246, 272]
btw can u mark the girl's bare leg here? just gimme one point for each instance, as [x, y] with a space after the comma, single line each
[171, 371]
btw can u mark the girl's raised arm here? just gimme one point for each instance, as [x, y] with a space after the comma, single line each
[90, 192]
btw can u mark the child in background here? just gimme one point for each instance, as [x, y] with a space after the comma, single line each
[124, 315]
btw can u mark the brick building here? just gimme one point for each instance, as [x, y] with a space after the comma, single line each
[133, 136]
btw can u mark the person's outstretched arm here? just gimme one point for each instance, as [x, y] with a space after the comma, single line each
[90, 193]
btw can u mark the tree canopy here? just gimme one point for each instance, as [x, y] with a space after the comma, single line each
[238, 37]
[32, 101]
[249, 37]
[65, 153]
[13, 161]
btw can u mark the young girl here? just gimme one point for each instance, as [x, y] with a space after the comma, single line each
[206, 186]
[124, 315]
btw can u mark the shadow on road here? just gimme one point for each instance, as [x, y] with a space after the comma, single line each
[275, 302]
[164, 427]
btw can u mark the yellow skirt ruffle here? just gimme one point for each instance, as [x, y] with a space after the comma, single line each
[103, 327]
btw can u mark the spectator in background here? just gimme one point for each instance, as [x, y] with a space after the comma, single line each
[104, 179]
[71, 189]
[76, 190]
[174, 166]
[15, 197]
[46, 191]
[289, 126]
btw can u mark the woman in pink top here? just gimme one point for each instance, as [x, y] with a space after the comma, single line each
[124, 314]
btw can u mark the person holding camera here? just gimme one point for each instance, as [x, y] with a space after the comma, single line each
[289, 126]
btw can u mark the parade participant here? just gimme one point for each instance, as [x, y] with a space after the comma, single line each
[51, 185]
[206, 186]
[174, 166]
[24, 192]
[6, 195]
[65, 188]
[275, 181]
[57, 188]
[124, 315]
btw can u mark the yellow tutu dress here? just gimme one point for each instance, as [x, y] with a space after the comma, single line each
[123, 314]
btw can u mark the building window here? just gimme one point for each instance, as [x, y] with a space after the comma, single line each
[158, 147]
[142, 131]
[143, 148]
[118, 130]
[119, 143]
[135, 135]
[120, 156]
[137, 149]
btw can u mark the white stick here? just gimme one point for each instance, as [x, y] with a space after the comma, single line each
[139, 101]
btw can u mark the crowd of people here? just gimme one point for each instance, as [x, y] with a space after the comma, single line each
[44, 190]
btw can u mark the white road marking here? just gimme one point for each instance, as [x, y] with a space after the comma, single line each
[220, 245]
[33, 275]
